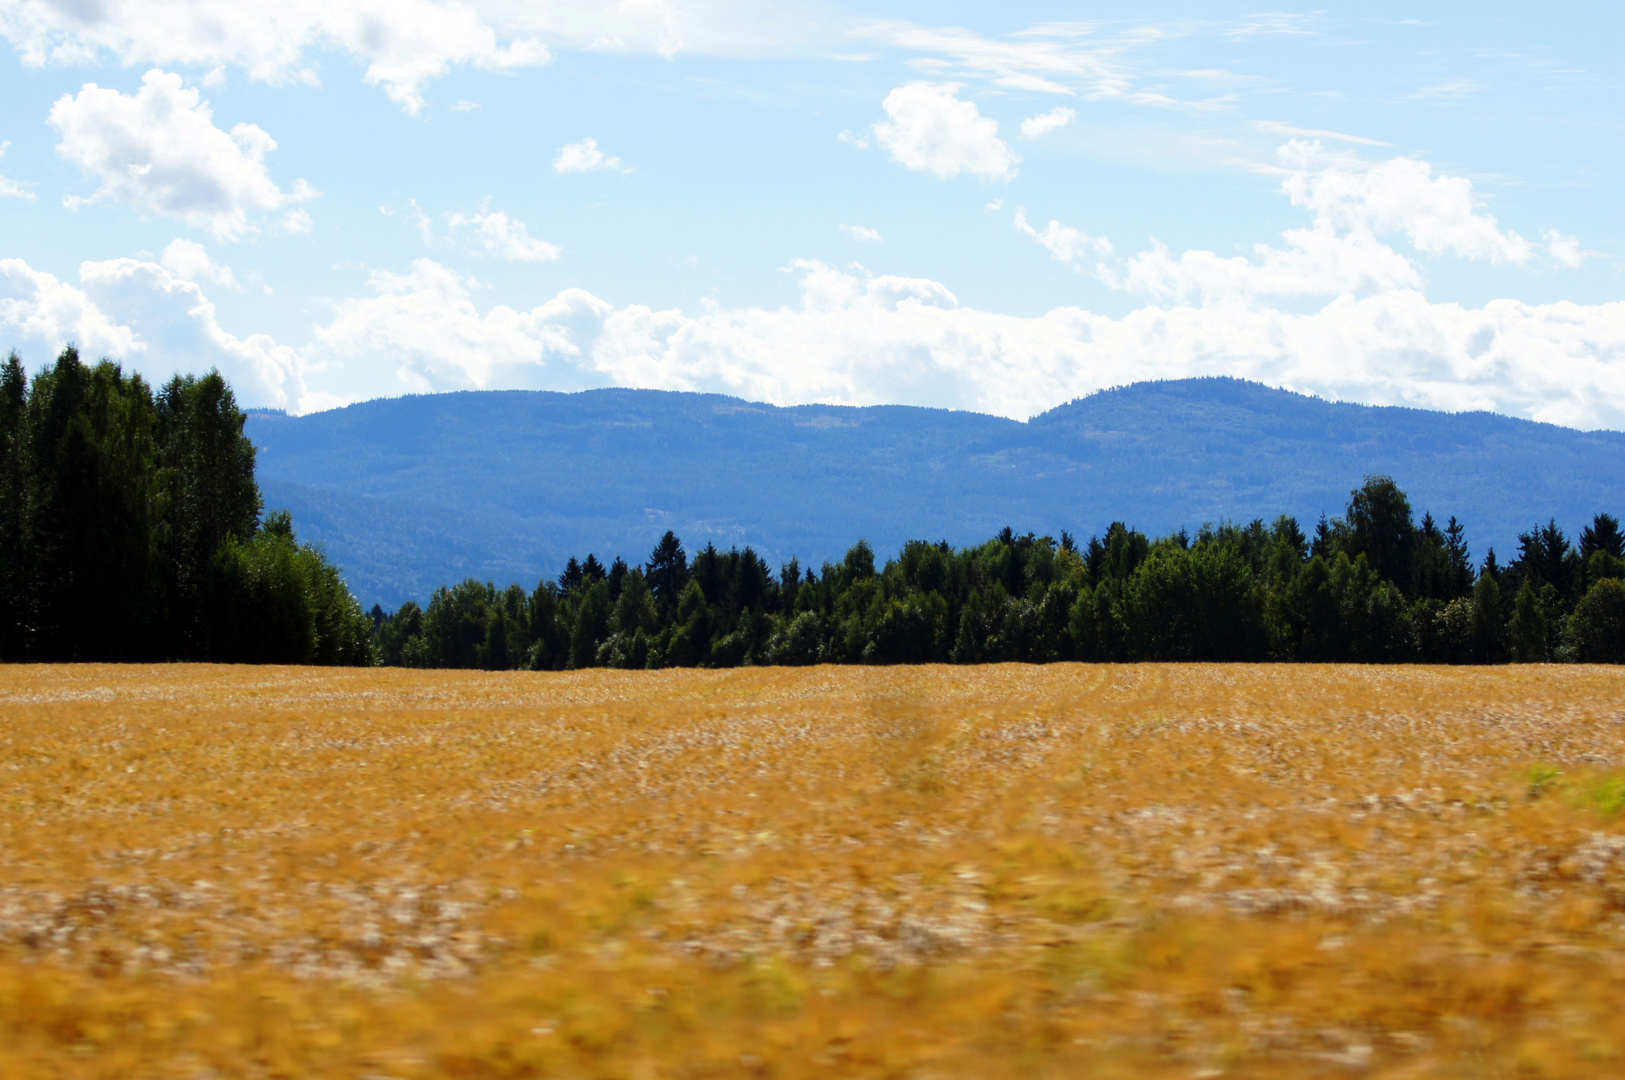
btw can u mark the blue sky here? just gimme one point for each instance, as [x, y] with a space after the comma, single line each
[992, 207]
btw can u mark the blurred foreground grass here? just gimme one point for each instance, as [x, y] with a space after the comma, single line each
[1184, 871]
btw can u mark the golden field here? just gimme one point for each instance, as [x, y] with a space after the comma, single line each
[1136, 871]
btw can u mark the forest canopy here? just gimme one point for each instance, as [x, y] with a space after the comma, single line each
[1372, 586]
[132, 528]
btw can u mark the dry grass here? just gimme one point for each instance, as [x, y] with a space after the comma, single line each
[1066, 871]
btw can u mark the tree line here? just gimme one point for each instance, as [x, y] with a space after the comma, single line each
[1373, 586]
[131, 529]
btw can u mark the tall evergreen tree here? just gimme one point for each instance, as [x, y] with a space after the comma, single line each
[209, 463]
[1460, 559]
[13, 400]
[1603, 534]
[667, 571]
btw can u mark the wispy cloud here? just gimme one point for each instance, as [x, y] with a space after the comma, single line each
[1275, 127]
[1036, 127]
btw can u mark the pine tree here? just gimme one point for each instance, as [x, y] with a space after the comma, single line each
[1460, 559]
[1603, 534]
[209, 462]
[667, 571]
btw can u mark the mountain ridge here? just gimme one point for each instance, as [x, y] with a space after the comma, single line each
[408, 493]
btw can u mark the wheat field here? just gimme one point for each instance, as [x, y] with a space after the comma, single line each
[1182, 871]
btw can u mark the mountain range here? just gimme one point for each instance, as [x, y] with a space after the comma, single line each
[413, 492]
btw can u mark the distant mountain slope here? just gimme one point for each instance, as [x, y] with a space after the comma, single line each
[409, 493]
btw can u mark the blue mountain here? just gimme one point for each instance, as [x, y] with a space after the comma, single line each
[413, 492]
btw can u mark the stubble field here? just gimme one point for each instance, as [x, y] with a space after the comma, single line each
[1183, 871]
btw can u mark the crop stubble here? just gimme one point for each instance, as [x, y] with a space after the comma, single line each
[1042, 871]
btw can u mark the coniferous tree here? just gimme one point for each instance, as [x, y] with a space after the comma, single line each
[1603, 534]
[667, 571]
[1459, 558]
[212, 495]
[1528, 631]
[13, 581]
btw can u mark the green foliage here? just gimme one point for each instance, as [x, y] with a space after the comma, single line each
[129, 529]
[1529, 628]
[1596, 631]
[1233, 592]
[276, 601]
[1380, 528]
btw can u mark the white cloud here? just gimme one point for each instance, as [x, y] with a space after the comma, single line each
[190, 260]
[160, 151]
[860, 340]
[1065, 243]
[930, 130]
[40, 313]
[151, 320]
[495, 233]
[1439, 214]
[404, 43]
[1355, 204]
[862, 233]
[1036, 127]
[482, 232]
[584, 156]
[1275, 127]
[1048, 60]
[1565, 250]
[1094, 60]
[296, 222]
[10, 189]
[425, 321]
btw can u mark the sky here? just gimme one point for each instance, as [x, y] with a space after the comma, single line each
[973, 206]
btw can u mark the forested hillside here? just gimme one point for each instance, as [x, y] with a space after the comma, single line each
[131, 529]
[1372, 586]
[408, 493]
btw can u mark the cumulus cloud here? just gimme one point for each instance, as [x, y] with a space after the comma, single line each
[863, 340]
[1036, 127]
[159, 151]
[929, 129]
[494, 233]
[404, 43]
[40, 313]
[190, 261]
[1354, 205]
[862, 233]
[145, 316]
[426, 321]
[1439, 214]
[584, 156]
